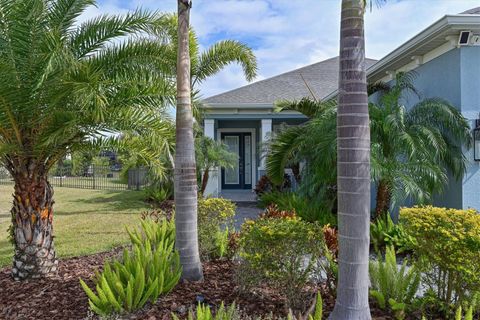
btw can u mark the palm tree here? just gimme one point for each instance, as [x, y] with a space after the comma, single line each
[209, 154]
[64, 86]
[185, 174]
[353, 168]
[414, 149]
[193, 68]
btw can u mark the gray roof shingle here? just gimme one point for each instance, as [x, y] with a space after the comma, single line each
[472, 11]
[321, 77]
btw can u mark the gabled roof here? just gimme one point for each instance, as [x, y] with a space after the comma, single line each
[321, 78]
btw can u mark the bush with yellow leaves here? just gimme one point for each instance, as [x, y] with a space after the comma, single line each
[282, 253]
[448, 247]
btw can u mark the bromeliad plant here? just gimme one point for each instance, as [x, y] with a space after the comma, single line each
[151, 269]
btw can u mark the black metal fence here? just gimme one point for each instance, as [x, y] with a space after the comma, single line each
[91, 177]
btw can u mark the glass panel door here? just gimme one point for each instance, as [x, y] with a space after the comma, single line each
[248, 159]
[232, 175]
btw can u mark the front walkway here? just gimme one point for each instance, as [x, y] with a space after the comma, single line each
[239, 196]
[244, 212]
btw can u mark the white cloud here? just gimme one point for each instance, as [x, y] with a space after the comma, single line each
[288, 34]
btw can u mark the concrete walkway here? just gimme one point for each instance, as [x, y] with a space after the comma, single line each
[245, 211]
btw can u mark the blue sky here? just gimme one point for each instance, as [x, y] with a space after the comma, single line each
[287, 34]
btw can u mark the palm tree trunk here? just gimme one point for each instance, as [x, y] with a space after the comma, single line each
[205, 177]
[353, 163]
[185, 169]
[32, 214]
[383, 198]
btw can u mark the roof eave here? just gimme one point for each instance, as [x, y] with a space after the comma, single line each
[448, 21]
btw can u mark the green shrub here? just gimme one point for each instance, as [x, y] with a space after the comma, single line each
[394, 288]
[232, 312]
[158, 192]
[448, 245]
[215, 220]
[384, 233]
[274, 251]
[311, 210]
[152, 268]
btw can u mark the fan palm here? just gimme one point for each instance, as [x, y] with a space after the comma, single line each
[65, 85]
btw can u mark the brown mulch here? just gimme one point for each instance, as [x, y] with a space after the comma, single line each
[61, 296]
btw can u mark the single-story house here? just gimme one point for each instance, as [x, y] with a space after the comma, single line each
[445, 57]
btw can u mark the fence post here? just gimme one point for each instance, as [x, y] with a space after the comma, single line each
[61, 175]
[93, 174]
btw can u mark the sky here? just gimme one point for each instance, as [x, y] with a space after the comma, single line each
[288, 34]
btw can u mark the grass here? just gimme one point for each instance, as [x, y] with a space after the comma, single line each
[85, 221]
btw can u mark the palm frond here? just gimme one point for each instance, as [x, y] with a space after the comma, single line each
[220, 54]
[62, 14]
[96, 33]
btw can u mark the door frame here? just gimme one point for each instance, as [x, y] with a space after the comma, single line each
[254, 152]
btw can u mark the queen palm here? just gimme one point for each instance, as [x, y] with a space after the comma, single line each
[192, 68]
[65, 85]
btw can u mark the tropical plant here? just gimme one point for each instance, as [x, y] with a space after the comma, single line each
[413, 149]
[353, 167]
[215, 220]
[309, 209]
[448, 246]
[393, 288]
[185, 174]
[192, 68]
[153, 268]
[384, 233]
[232, 312]
[273, 252]
[65, 85]
[210, 154]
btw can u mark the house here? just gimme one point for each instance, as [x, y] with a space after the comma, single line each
[445, 56]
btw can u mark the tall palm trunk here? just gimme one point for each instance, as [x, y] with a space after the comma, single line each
[353, 177]
[205, 177]
[32, 217]
[185, 169]
[383, 198]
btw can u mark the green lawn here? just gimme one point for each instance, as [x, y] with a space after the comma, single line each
[85, 221]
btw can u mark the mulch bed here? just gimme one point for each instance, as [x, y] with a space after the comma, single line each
[61, 297]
